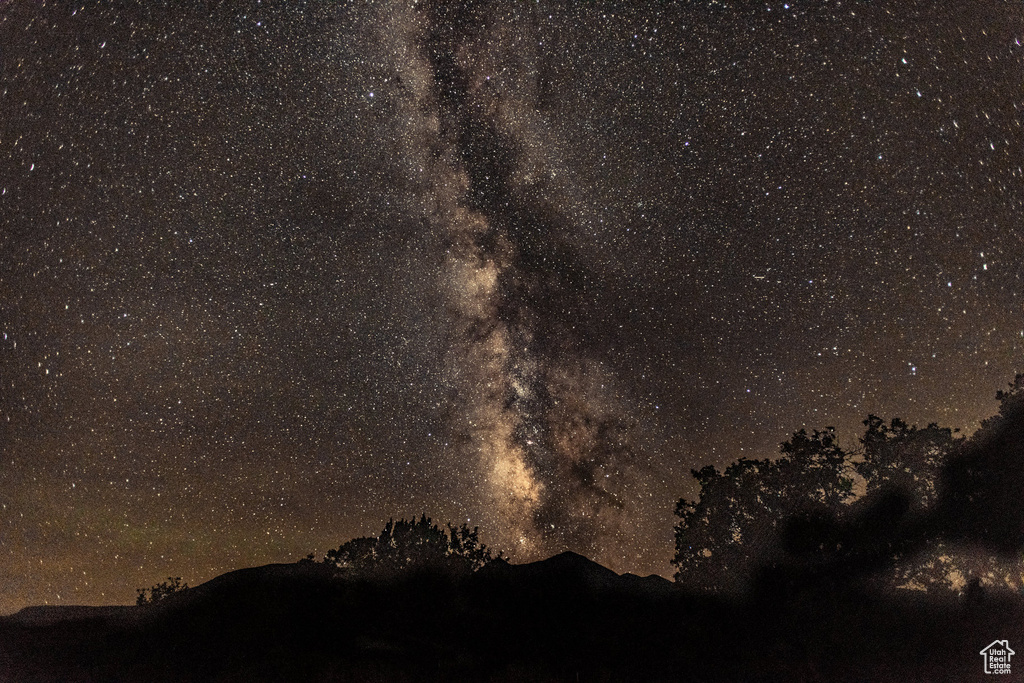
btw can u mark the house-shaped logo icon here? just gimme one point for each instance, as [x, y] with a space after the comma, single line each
[997, 657]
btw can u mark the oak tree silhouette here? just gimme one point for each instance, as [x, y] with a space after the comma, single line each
[407, 545]
[932, 511]
[735, 524]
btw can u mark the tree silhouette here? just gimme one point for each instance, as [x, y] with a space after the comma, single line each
[984, 487]
[932, 510]
[735, 524]
[905, 456]
[799, 513]
[160, 591]
[421, 544]
[963, 530]
[899, 459]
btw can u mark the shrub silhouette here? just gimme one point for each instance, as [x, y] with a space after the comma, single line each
[160, 591]
[406, 545]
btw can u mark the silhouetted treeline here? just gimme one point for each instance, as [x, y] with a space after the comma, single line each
[910, 508]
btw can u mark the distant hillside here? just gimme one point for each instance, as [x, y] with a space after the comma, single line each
[561, 619]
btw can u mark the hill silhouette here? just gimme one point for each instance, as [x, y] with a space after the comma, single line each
[565, 618]
[420, 602]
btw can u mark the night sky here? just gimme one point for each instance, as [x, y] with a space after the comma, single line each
[272, 273]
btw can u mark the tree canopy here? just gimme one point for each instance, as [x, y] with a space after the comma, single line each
[908, 507]
[414, 544]
[735, 524]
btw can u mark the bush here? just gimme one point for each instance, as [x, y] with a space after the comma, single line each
[419, 544]
[160, 591]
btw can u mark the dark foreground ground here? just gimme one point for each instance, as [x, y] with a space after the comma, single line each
[564, 619]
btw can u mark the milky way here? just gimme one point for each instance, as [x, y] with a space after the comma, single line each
[272, 273]
[550, 441]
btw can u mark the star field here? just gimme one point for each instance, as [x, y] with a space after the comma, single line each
[272, 273]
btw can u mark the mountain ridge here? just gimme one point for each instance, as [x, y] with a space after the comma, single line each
[559, 619]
